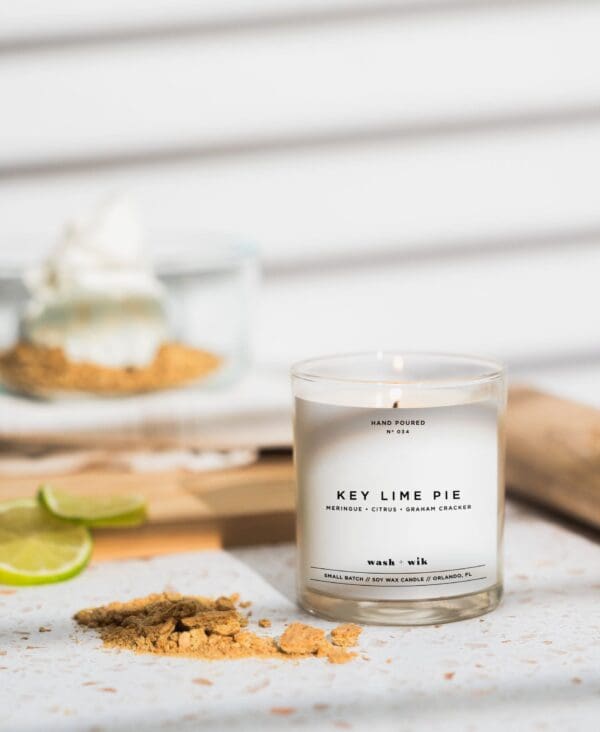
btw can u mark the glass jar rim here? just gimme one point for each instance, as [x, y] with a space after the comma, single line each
[490, 369]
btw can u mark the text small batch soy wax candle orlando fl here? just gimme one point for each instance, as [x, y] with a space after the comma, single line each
[400, 486]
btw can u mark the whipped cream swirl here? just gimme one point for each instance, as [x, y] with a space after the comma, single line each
[96, 296]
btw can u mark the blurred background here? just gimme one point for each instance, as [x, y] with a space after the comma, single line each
[416, 174]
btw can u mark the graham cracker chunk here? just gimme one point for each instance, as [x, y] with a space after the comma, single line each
[300, 638]
[346, 635]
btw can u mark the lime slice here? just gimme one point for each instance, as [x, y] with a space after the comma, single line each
[36, 547]
[94, 511]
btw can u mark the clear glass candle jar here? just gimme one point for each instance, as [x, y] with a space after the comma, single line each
[400, 486]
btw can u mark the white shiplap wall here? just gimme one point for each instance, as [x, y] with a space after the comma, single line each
[395, 72]
[417, 174]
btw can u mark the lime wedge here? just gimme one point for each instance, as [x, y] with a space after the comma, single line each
[94, 511]
[36, 547]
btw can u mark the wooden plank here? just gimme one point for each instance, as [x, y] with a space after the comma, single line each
[553, 454]
[155, 539]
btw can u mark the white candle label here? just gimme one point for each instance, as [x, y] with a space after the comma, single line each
[397, 504]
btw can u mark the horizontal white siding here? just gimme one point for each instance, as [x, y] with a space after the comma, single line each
[529, 309]
[463, 191]
[31, 19]
[399, 71]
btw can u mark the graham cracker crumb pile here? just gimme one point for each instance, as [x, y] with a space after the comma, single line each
[200, 627]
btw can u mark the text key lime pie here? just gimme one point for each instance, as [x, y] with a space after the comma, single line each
[96, 318]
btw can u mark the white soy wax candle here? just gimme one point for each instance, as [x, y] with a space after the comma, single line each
[400, 486]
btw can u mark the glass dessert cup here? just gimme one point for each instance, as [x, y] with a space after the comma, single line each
[400, 486]
[191, 330]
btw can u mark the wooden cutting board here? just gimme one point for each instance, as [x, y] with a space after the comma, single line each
[187, 511]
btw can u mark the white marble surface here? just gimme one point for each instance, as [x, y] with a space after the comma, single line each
[534, 664]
